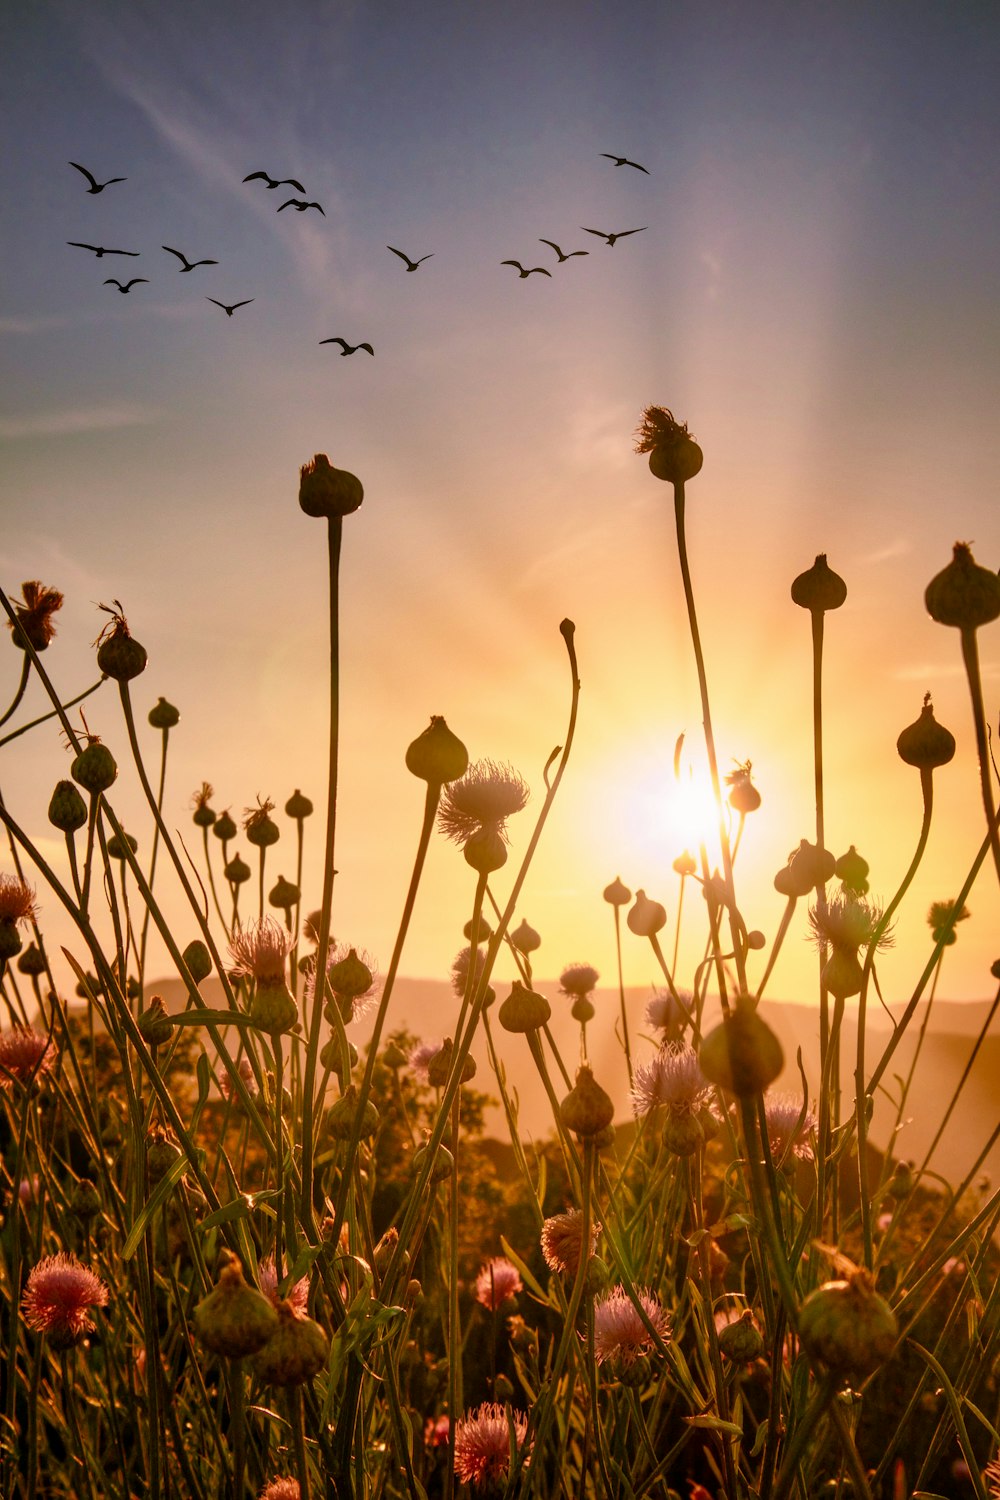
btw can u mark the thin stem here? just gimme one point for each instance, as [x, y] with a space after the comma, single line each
[22, 684]
[970, 656]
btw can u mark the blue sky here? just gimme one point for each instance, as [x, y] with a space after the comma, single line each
[815, 290]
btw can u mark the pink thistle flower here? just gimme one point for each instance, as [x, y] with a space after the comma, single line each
[421, 1055]
[17, 900]
[28, 1188]
[484, 798]
[436, 1432]
[787, 1133]
[24, 1053]
[498, 1282]
[620, 1334]
[227, 1087]
[562, 1241]
[578, 980]
[281, 1489]
[482, 1442]
[674, 1079]
[664, 1014]
[59, 1293]
[259, 950]
[268, 1278]
[34, 614]
[992, 1476]
[462, 963]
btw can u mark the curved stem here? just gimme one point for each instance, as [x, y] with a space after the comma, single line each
[25, 674]
[970, 656]
[53, 713]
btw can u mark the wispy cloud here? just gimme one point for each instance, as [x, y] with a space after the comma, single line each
[29, 326]
[77, 420]
[899, 547]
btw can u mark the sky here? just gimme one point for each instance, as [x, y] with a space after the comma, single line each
[814, 289]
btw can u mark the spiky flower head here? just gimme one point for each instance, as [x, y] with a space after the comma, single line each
[578, 980]
[848, 923]
[204, 816]
[673, 1079]
[34, 613]
[24, 1053]
[17, 900]
[562, 1241]
[58, 1297]
[483, 1443]
[621, 1335]
[227, 1088]
[281, 1489]
[664, 1014]
[498, 1282]
[258, 825]
[421, 1055]
[992, 1476]
[467, 959]
[743, 795]
[352, 975]
[482, 800]
[942, 918]
[791, 1128]
[259, 950]
[268, 1277]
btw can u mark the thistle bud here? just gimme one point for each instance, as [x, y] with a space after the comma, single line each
[118, 654]
[847, 1326]
[586, 1109]
[163, 715]
[155, 1026]
[852, 871]
[582, 1010]
[439, 1066]
[326, 491]
[94, 768]
[485, 850]
[842, 973]
[525, 939]
[116, 845]
[925, 743]
[84, 1200]
[224, 827]
[963, 594]
[685, 864]
[674, 455]
[295, 1352]
[442, 1166]
[902, 1182]
[646, 918]
[298, 806]
[483, 931]
[346, 1117]
[32, 961]
[820, 588]
[741, 1341]
[162, 1153]
[260, 828]
[523, 1010]
[283, 894]
[198, 960]
[683, 1132]
[350, 977]
[741, 1054]
[67, 809]
[437, 755]
[237, 871]
[808, 867]
[617, 893]
[234, 1320]
[394, 1057]
[331, 1056]
[273, 1009]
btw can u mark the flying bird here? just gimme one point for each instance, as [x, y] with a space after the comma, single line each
[529, 272]
[128, 284]
[300, 206]
[411, 265]
[346, 348]
[274, 182]
[231, 309]
[623, 161]
[563, 255]
[100, 250]
[610, 238]
[95, 186]
[188, 265]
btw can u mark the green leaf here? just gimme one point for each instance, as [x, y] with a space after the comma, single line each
[157, 1199]
[523, 1271]
[760, 1439]
[714, 1424]
[955, 1407]
[238, 1208]
[211, 1018]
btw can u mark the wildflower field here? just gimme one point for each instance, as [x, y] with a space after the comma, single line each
[241, 1257]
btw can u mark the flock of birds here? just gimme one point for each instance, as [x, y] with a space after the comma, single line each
[300, 205]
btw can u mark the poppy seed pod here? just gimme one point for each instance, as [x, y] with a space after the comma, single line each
[523, 1010]
[95, 768]
[67, 809]
[963, 594]
[820, 588]
[847, 1326]
[925, 743]
[741, 1054]
[118, 654]
[163, 715]
[234, 1320]
[326, 491]
[437, 756]
[586, 1110]
[646, 918]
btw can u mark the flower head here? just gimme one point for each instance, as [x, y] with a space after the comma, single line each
[620, 1333]
[664, 1014]
[34, 614]
[17, 900]
[259, 950]
[421, 1055]
[942, 918]
[281, 1489]
[482, 1442]
[497, 1283]
[227, 1087]
[562, 1241]
[674, 1078]
[58, 1298]
[24, 1053]
[462, 963]
[484, 798]
[354, 1001]
[848, 922]
[268, 1277]
[436, 1432]
[790, 1130]
[578, 980]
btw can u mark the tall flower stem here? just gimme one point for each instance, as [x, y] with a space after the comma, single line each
[152, 858]
[970, 656]
[335, 526]
[43, 718]
[19, 694]
[621, 984]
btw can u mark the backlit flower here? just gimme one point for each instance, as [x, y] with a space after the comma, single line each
[562, 1241]
[34, 614]
[664, 1014]
[436, 1432]
[17, 900]
[268, 1279]
[848, 922]
[484, 798]
[461, 964]
[497, 1283]
[259, 950]
[674, 1079]
[281, 1489]
[789, 1130]
[24, 1053]
[58, 1298]
[421, 1055]
[621, 1335]
[354, 1001]
[578, 980]
[227, 1087]
[482, 1442]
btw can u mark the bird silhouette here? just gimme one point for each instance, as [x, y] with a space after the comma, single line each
[128, 284]
[563, 255]
[100, 250]
[411, 265]
[232, 308]
[623, 161]
[610, 238]
[95, 186]
[529, 272]
[346, 348]
[188, 265]
[274, 182]
[300, 206]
